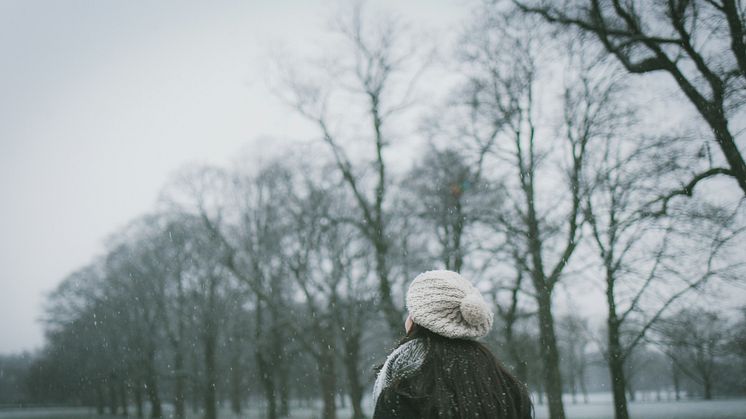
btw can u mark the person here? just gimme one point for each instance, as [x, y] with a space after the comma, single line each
[439, 370]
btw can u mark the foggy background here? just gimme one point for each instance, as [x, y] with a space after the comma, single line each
[103, 100]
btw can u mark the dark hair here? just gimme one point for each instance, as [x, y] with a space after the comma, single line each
[462, 379]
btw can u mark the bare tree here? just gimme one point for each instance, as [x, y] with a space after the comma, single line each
[695, 341]
[329, 265]
[377, 59]
[447, 193]
[520, 345]
[636, 249]
[129, 273]
[543, 225]
[615, 214]
[79, 362]
[574, 342]
[169, 243]
[226, 237]
[318, 278]
[736, 348]
[355, 307]
[255, 240]
[700, 44]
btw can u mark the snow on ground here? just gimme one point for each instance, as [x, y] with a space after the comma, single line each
[688, 409]
[699, 409]
[49, 413]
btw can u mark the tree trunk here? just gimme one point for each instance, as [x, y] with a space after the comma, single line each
[550, 355]
[282, 372]
[328, 383]
[284, 393]
[616, 372]
[195, 384]
[236, 393]
[210, 373]
[99, 400]
[351, 359]
[112, 396]
[179, 387]
[458, 232]
[268, 385]
[676, 381]
[574, 389]
[392, 315]
[616, 357]
[707, 384]
[583, 386]
[152, 388]
[138, 399]
[520, 365]
[210, 340]
[123, 397]
[265, 372]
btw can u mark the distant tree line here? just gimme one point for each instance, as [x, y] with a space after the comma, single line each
[537, 174]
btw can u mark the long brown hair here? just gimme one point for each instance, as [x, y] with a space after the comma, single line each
[462, 379]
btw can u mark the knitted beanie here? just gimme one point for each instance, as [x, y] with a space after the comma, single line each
[449, 305]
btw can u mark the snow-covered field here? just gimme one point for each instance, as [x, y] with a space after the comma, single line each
[715, 409]
[700, 409]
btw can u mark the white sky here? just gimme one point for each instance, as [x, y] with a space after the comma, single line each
[101, 100]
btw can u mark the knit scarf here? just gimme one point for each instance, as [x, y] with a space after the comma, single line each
[401, 363]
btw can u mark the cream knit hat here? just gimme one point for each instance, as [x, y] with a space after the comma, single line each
[449, 305]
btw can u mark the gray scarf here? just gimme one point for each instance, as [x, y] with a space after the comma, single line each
[401, 363]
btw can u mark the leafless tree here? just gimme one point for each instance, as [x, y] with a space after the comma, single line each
[317, 277]
[227, 249]
[736, 347]
[85, 337]
[695, 341]
[329, 264]
[377, 74]
[518, 341]
[635, 248]
[168, 242]
[128, 278]
[700, 44]
[447, 193]
[505, 67]
[574, 331]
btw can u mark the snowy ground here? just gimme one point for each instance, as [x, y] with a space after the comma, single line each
[717, 409]
[700, 409]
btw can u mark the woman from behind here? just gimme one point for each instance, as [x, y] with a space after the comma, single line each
[439, 370]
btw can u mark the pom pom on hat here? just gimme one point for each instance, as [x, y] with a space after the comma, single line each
[474, 309]
[446, 303]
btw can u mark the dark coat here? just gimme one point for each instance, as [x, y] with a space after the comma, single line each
[392, 404]
[404, 391]
[402, 364]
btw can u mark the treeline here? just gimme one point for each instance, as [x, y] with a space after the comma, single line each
[538, 173]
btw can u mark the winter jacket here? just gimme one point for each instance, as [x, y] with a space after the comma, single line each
[394, 405]
[400, 365]
[401, 390]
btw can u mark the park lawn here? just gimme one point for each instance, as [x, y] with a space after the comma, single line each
[688, 409]
[685, 409]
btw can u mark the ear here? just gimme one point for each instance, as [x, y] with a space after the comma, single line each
[408, 324]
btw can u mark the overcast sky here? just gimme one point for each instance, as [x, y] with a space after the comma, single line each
[101, 100]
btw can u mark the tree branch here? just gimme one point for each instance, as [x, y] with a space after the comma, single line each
[688, 189]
